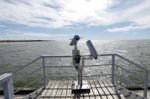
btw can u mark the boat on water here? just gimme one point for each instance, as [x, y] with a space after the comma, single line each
[112, 77]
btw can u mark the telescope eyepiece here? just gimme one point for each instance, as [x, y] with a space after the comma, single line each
[74, 41]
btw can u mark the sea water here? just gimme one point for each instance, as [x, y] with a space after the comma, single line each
[16, 54]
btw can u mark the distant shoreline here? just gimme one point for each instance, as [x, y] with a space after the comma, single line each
[7, 41]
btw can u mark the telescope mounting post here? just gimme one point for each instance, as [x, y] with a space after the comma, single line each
[79, 87]
[76, 53]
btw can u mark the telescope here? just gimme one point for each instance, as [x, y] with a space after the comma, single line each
[92, 49]
[80, 87]
[74, 41]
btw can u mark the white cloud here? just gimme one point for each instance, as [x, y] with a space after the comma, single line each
[67, 13]
[127, 28]
[58, 13]
[140, 14]
[137, 15]
[12, 34]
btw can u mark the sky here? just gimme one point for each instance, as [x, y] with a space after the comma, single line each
[62, 19]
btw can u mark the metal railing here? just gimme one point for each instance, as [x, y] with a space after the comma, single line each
[112, 65]
[135, 70]
[113, 62]
[6, 81]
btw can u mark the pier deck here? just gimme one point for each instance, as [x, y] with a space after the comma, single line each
[100, 89]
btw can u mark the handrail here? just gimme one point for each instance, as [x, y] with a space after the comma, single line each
[28, 64]
[146, 73]
[113, 64]
[127, 71]
[131, 62]
[55, 56]
[6, 81]
[67, 56]
[29, 74]
[124, 69]
[77, 75]
[71, 66]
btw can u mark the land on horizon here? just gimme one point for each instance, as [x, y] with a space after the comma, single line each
[3, 41]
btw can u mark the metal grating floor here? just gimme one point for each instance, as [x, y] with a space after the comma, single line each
[61, 89]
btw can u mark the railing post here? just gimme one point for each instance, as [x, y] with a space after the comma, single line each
[44, 72]
[113, 69]
[146, 80]
[7, 82]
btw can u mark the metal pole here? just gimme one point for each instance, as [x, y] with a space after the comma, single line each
[81, 71]
[113, 69]
[7, 82]
[79, 76]
[44, 72]
[146, 80]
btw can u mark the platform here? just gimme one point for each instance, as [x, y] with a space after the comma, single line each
[100, 89]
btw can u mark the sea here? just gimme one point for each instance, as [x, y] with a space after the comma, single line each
[14, 55]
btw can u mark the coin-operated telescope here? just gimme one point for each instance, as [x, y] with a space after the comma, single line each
[92, 49]
[80, 86]
[74, 41]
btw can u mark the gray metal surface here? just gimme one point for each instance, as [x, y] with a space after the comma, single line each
[6, 81]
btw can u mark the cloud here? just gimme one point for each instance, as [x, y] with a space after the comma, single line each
[138, 16]
[69, 13]
[12, 34]
[127, 28]
[56, 14]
